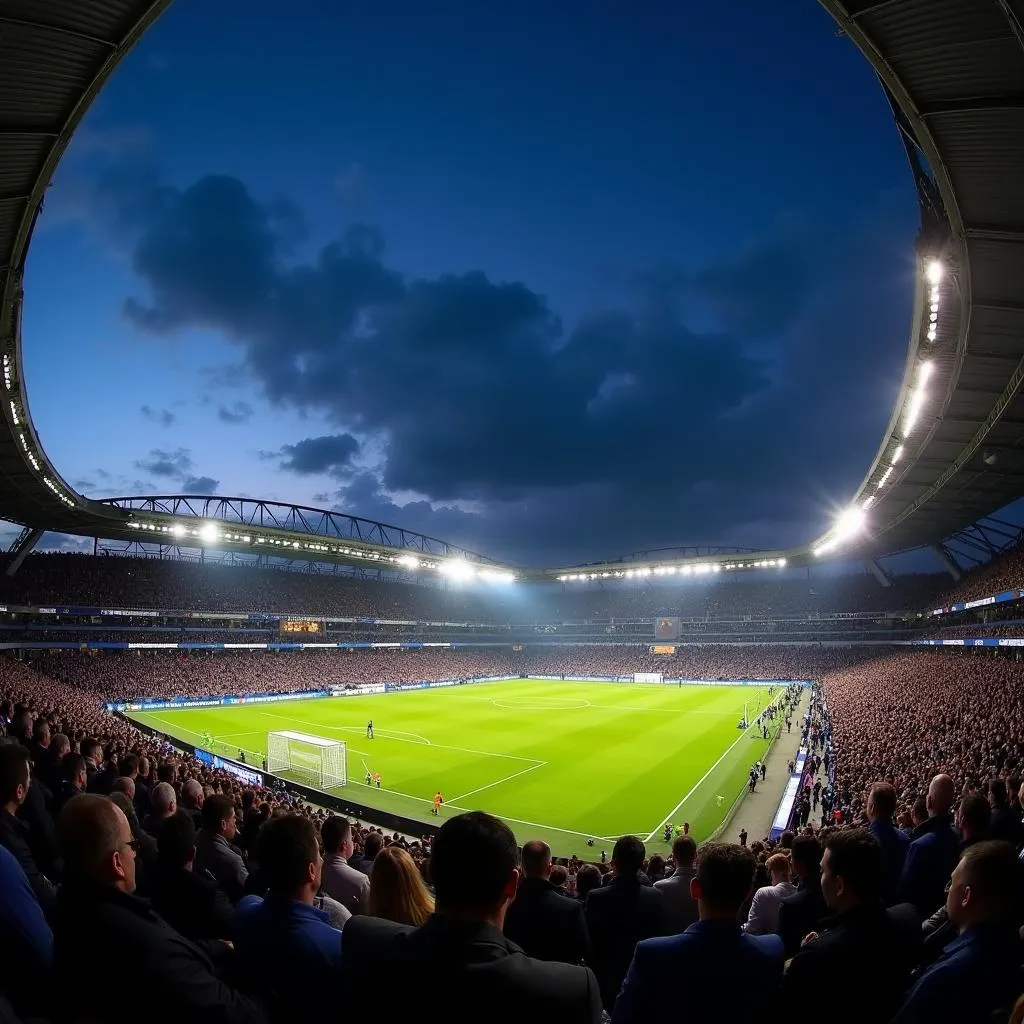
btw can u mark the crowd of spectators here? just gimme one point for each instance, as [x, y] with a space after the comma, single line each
[259, 907]
[121, 582]
[130, 675]
[1002, 573]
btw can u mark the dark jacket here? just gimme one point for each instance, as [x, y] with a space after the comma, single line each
[894, 845]
[156, 968]
[1005, 824]
[14, 835]
[692, 970]
[868, 942]
[618, 917]
[224, 861]
[801, 913]
[546, 924]
[931, 857]
[448, 971]
[191, 902]
[680, 906]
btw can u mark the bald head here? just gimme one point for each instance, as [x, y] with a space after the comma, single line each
[192, 795]
[95, 838]
[126, 785]
[163, 800]
[941, 795]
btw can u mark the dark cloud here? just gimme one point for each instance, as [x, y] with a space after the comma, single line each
[629, 427]
[199, 485]
[166, 464]
[177, 465]
[331, 454]
[163, 417]
[237, 412]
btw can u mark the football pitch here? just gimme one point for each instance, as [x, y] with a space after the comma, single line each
[559, 761]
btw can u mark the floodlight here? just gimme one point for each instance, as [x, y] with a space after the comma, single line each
[849, 523]
[408, 561]
[208, 533]
[458, 569]
[178, 530]
[933, 272]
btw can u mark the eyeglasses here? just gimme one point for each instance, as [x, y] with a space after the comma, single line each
[134, 845]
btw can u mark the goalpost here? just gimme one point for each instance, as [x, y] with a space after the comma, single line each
[648, 677]
[322, 763]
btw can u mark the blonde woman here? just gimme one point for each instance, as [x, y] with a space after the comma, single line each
[397, 891]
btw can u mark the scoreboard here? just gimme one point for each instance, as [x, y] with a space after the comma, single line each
[669, 649]
[300, 626]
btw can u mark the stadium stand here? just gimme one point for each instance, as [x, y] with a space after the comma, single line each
[122, 582]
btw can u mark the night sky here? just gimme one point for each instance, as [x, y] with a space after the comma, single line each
[554, 281]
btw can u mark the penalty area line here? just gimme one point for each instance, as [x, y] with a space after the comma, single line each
[700, 782]
[491, 785]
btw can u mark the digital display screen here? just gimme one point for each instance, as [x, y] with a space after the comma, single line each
[663, 649]
[300, 626]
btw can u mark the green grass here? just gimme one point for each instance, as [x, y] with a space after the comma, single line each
[559, 761]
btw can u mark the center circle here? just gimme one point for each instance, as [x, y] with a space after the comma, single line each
[541, 704]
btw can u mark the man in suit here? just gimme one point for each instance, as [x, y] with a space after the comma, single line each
[978, 970]
[459, 965]
[692, 970]
[933, 851]
[680, 906]
[215, 851]
[621, 914]
[15, 782]
[1005, 823]
[97, 916]
[881, 811]
[801, 913]
[189, 900]
[546, 924]
[862, 939]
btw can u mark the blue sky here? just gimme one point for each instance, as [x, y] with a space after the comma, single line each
[554, 281]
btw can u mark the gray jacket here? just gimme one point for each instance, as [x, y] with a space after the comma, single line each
[681, 907]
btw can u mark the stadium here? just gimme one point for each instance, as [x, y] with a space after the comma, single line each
[293, 666]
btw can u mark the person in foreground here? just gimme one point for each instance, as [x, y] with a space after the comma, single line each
[97, 918]
[459, 966]
[976, 973]
[711, 957]
[862, 939]
[286, 947]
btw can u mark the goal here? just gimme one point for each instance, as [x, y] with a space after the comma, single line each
[312, 759]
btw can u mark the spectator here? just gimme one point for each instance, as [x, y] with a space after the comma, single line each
[397, 890]
[680, 905]
[710, 958]
[74, 779]
[15, 780]
[97, 917]
[189, 900]
[764, 908]
[192, 798]
[286, 948]
[351, 888]
[621, 914]
[459, 966]
[373, 843]
[214, 850]
[163, 804]
[26, 943]
[978, 971]
[881, 810]
[588, 878]
[1005, 823]
[932, 853]
[862, 939]
[546, 925]
[972, 821]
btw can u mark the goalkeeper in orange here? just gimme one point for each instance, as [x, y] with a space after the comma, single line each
[438, 800]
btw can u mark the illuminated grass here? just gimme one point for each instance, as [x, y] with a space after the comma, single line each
[560, 761]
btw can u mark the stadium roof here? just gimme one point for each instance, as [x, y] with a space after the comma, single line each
[954, 73]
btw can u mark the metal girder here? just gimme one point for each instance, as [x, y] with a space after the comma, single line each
[970, 104]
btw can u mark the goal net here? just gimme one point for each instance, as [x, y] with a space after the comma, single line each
[647, 677]
[312, 759]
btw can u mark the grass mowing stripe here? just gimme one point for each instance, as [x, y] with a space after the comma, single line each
[607, 760]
